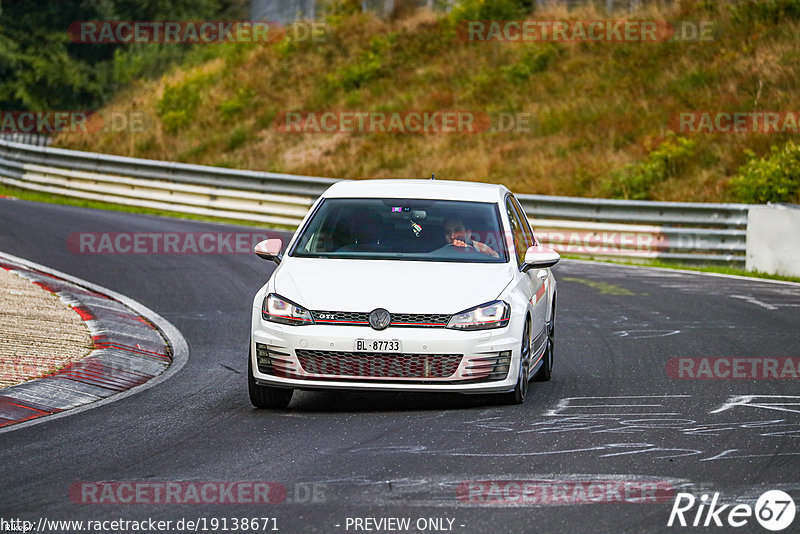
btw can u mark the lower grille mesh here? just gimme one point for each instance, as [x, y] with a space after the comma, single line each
[379, 365]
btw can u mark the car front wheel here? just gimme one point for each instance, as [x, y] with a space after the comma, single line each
[517, 396]
[546, 370]
[266, 396]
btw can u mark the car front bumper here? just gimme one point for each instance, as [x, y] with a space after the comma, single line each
[488, 360]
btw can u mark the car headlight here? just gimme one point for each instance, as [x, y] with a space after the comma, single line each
[281, 310]
[490, 315]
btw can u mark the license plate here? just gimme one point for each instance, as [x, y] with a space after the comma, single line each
[377, 345]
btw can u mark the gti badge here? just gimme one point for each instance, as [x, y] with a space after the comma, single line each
[379, 319]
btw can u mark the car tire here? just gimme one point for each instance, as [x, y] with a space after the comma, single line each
[546, 370]
[517, 396]
[266, 396]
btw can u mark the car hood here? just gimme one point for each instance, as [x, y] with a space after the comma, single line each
[398, 286]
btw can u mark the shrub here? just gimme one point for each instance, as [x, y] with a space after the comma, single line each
[368, 66]
[341, 8]
[670, 159]
[490, 10]
[179, 103]
[145, 60]
[775, 178]
[238, 138]
[765, 11]
[531, 62]
[242, 100]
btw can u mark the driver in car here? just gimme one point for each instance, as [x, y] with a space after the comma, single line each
[458, 233]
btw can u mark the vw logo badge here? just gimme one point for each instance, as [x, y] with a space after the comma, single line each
[379, 319]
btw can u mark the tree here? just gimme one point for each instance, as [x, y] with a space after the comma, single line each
[41, 68]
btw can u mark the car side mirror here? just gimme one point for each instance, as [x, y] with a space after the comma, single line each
[269, 249]
[539, 257]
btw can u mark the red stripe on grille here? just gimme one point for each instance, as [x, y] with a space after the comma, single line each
[323, 321]
[416, 324]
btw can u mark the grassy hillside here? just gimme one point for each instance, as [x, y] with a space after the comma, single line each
[602, 110]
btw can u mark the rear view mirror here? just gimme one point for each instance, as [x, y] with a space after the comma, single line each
[539, 257]
[269, 249]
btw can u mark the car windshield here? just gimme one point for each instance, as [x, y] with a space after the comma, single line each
[404, 229]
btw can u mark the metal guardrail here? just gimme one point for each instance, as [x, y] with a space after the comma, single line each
[271, 198]
[687, 232]
[27, 138]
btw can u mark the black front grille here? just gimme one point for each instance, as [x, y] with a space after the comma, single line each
[378, 365]
[414, 320]
[420, 319]
[341, 318]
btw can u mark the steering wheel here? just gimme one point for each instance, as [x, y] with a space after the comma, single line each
[466, 248]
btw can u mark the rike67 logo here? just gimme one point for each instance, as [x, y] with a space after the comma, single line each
[774, 510]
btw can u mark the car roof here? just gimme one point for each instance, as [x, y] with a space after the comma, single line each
[426, 189]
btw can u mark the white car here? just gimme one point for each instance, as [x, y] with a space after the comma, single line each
[405, 285]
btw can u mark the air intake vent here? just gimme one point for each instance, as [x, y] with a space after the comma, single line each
[357, 364]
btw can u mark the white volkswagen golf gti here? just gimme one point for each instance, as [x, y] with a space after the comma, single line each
[405, 285]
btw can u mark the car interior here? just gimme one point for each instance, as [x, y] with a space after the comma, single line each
[395, 229]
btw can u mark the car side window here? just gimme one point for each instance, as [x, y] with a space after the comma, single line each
[526, 227]
[516, 231]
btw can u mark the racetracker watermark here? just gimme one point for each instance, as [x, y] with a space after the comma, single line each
[733, 368]
[403, 122]
[621, 243]
[736, 122]
[103, 369]
[165, 242]
[19, 370]
[549, 492]
[245, 492]
[204, 32]
[196, 492]
[561, 31]
[66, 122]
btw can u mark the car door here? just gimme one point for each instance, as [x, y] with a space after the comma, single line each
[526, 282]
[539, 279]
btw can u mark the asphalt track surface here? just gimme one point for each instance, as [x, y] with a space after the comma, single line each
[610, 413]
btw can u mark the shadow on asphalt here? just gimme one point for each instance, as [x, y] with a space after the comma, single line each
[376, 401]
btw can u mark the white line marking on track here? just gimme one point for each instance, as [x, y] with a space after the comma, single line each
[753, 300]
[767, 404]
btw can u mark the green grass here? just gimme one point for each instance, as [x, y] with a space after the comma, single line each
[604, 288]
[701, 268]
